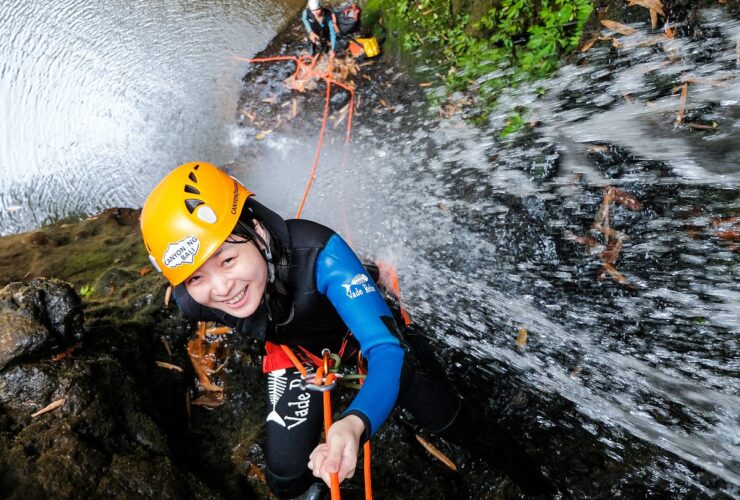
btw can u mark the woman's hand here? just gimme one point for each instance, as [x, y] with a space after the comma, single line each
[339, 453]
[314, 37]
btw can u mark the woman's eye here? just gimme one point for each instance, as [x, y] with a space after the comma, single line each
[193, 279]
[228, 260]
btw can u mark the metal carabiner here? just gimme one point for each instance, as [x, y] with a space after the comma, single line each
[308, 382]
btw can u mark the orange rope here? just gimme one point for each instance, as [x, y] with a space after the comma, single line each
[330, 377]
[318, 152]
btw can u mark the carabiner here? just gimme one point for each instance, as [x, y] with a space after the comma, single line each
[309, 382]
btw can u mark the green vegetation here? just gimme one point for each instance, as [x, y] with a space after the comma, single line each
[491, 44]
[86, 291]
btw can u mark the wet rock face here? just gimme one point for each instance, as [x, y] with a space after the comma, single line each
[36, 318]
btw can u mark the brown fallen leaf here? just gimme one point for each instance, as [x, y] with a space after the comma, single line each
[145, 270]
[611, 254]
[682, 105]
[209, 401]
[166, 344]
[611, 271]
[601, 220]
[67, 353]
[655, 5]
[590, 43]
[218, 330]
[627, 200]
[521, 338]
[50, 407]
[597, 148]
[620, 28]
[270, 100]
[425, 84]
[436, 453]
[169, 366]
[583, 240]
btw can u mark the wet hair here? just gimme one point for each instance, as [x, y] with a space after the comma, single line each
[277, 296]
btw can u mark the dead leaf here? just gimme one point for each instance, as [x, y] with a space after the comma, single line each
[611, 254]
[627, 200]
[218, 330]
[655, 5]
[50, 407]
[597, 148]
[425, 84]
[145, 270]
[270, 100]
[209, 401]
[620, 28]
[67, 353]
[612, 271]
[436, 453]
[167, 296]
[166, 344]
[521, 338]
[682, 105]
[169, 366]
[587, 46]
[583, 240]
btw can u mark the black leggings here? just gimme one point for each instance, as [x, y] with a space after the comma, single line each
[295, 416]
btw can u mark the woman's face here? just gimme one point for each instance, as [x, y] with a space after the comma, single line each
[232, 280]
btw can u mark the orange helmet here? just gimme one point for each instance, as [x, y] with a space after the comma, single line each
[187, 217]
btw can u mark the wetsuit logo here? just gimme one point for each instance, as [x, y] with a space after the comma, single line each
[359, 285]
[299, 407]
[181, 252]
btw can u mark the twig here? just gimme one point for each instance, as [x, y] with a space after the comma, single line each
[50, 407]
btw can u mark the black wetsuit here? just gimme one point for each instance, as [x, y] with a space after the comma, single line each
[330, 293]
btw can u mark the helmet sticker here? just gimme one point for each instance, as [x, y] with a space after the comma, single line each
[359, 285]
[181, 252]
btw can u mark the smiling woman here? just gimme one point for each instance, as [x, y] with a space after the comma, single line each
[291, 283]
[94, 94]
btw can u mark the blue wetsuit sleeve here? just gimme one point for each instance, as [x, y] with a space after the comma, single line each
[305, 20]
[342, 278]
[332, 35]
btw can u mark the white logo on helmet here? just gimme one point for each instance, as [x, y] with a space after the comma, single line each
[181, 252]
[206, 214]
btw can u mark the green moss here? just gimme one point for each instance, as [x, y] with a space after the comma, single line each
[467, 40]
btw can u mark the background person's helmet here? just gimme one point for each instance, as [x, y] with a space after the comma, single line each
[314, 4]
[187, 217]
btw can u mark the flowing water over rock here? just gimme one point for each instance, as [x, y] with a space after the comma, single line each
[628, 381]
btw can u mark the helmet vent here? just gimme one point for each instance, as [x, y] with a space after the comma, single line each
[193, 178]
[190, 189]
[192, 204]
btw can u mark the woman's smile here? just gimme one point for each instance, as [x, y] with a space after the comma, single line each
[236, 301]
